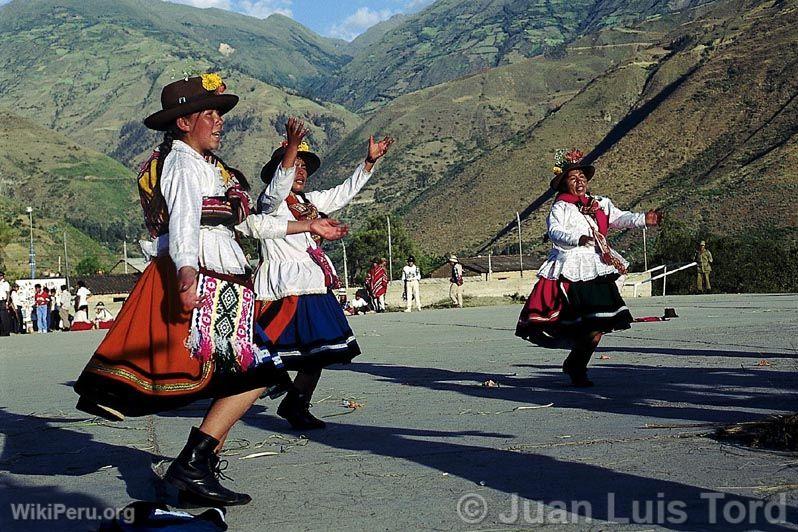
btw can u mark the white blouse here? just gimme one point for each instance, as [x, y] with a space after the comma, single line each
[186, 178]
[287, 269]
[572, 261]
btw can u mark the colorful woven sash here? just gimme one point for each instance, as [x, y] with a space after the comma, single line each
[221, 329]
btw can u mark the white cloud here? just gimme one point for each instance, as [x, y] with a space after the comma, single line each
[253, 8]
[264, 8]
[358, 22]
[221, 4]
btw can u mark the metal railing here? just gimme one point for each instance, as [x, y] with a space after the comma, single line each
[664, 276]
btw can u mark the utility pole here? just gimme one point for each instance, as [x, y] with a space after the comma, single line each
[66, 261]
[346, 270]
[31, 253]
[390, 251]
[520, 249]
[645, 252]
[124, 251]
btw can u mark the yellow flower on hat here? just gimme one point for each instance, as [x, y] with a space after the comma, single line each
[304, 146]
[211, 82]
[557, 170]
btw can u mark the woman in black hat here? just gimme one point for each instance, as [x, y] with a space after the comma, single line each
[185, 332]
[576, 300]
[298, 315]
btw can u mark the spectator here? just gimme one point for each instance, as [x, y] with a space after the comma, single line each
[64, 303]
[41, 300]
[456, 280]
[377, 283]
[16, 310]
[54, 315]
[704, 259]
[411, 276]
[82, 303]
[5, 304]
[103, 319]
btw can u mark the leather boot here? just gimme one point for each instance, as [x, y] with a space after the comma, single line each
[193, 473]
[295, 408]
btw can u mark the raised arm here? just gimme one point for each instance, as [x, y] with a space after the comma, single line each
[280, 185]
[331, 200]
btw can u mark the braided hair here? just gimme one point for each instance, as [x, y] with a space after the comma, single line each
[169, 136]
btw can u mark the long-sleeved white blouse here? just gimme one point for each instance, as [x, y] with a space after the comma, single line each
[287, 268]
[186, 178]
[572, 261]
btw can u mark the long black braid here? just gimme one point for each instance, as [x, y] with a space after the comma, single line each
[169, 136]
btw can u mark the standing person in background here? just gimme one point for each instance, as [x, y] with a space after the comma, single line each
[411, 275]
[82, 303]
[41, 300]
[704, 259]
[54, 314]
[6, 323]
[16, 310]
[64, 303]
[377, 283]
[456, 282]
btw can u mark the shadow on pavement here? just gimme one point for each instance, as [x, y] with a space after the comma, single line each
[697, 394]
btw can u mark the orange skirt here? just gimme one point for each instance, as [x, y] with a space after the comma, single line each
[143, 365]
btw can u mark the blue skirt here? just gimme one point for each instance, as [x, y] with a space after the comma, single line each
[307, 332]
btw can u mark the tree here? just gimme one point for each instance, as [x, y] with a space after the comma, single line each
[371, 241]
[6, 235]
[88, 266]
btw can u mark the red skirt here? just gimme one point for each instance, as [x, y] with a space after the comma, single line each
[559, 313]
[143, 364]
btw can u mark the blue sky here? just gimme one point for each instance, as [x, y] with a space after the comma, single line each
[344, 19]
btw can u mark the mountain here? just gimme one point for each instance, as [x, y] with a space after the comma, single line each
[93, 70]
[72, 189]
[454, 38]
[277, 50]
[707, 130]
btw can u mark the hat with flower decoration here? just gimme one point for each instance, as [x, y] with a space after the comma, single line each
[312, 161]
[567, 161]
[190, 95]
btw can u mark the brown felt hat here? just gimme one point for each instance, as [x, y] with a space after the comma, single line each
[190, 95]
[312, 161]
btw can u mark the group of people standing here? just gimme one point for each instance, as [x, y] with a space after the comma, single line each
[198, 325]
[44, 310]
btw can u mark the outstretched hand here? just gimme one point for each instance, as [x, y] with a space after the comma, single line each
[377, 149]
[654, 217]
[329, 229]
[295, 131]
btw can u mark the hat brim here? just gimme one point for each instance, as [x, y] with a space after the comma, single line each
[312, 162]
[162, 120]
[588, 169]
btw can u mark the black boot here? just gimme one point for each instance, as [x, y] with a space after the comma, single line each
[578, 375]
[295, 408]
[194, 472]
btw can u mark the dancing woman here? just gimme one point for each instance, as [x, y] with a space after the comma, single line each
[576, 300]
[185, 331]
[299, 317]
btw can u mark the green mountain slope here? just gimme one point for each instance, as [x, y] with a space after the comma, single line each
[708, 132]
[276, 50]
[72, 189]
[94, 74]
[454, 38]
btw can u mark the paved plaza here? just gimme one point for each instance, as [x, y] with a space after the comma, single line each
[432, 448]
